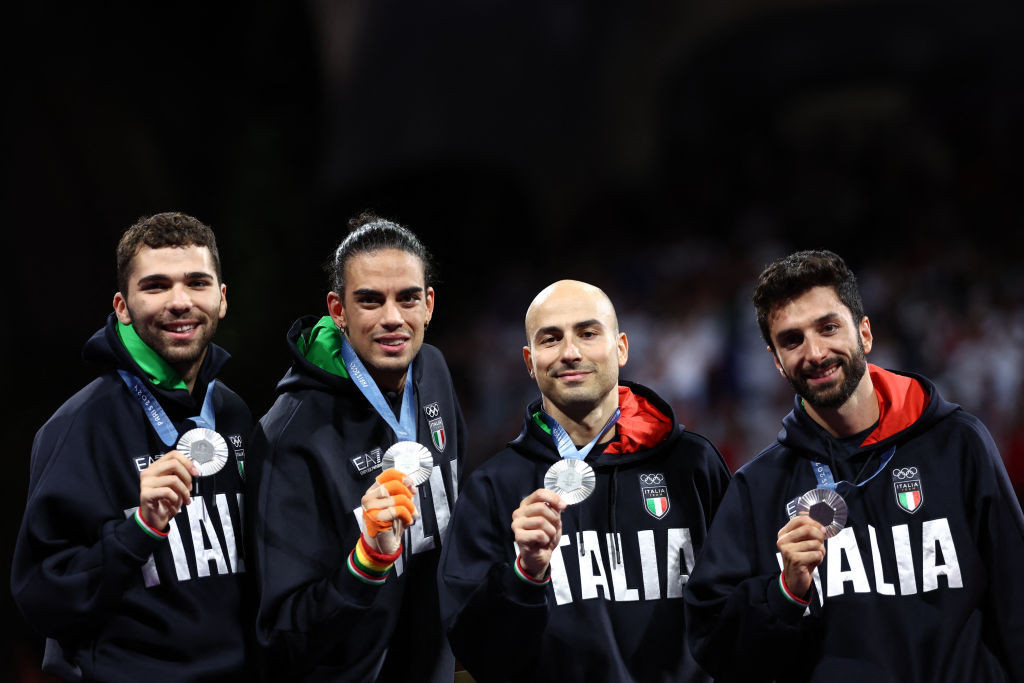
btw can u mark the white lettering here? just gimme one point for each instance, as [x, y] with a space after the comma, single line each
[649, 564]
[559, 577]
[679, 558]
[202, 530]
[936, 539]
[592, 574]
[904, 559]
[881, 586]
[844, 544]
[619, 584]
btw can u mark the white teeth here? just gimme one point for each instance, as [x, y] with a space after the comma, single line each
[183, 328]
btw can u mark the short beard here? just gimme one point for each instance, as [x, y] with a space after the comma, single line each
[834, 397]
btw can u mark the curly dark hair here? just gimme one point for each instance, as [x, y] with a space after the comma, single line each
[370, 233]
[787, 278]
[169, 229]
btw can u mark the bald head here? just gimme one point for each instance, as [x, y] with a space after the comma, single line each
[570, 296]
[574, 350]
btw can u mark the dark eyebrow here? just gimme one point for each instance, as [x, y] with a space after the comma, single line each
[828, 317]
[366, 291]
[554, 329]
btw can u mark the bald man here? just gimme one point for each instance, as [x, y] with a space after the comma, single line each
[578, 537]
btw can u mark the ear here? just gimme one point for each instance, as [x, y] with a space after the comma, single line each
[121, 309]
[336, 309]
[778, 361]
[223, 300]
[528, 359]
[622, 346]
[866, 337]
[430, 305]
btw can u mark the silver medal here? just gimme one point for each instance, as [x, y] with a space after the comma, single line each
[824, 506]
[206, 448]
[411, 459]
[573, 480]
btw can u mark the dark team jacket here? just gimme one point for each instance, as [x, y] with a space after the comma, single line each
[604, 616]
[317, 451]
[924, 582]
[115, 603]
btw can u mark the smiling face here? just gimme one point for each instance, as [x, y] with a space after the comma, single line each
[174, 302]
[819, 348]
[575, 349]
[384, 312]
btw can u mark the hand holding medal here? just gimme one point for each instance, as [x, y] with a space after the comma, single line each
[537, 527]
[387, 510]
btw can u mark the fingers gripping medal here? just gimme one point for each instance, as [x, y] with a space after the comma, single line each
[411, 459]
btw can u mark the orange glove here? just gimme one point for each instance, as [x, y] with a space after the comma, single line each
[388, 500]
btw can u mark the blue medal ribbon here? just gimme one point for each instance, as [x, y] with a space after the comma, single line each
[157, 416]
[825, 480]
[563, 442]
[405, 426]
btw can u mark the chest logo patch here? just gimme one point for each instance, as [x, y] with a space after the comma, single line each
[655, 494]
[437, 433]
[907, 484]
[236, 445]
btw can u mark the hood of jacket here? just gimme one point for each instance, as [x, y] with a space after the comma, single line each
[908, 404]
[646, 426]
[315, 348]
[106, 350]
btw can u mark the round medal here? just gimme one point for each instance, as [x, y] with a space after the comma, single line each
[824, 506]
[411, 459]
[206, 448]
[571, 479]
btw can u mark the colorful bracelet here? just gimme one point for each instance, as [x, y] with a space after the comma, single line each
[789, 594]
[370, 566]
[144, 525]
[521, 573]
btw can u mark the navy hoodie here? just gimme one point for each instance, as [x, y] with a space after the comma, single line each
[922, 585]
[314, 455]
[605, 615]
[115, 603]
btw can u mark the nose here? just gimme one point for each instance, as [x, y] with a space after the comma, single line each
[816, 348]
[570, 352]
[181, 299]
[391, 315]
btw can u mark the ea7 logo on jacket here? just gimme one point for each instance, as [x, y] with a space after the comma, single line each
[655, 494]
[437, 435]
[365, 462]
[907, 484]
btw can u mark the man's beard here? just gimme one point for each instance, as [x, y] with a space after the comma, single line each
[834, 396]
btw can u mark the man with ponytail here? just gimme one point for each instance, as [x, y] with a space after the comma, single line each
[358, 464]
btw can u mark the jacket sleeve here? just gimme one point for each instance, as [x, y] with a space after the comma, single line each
[740, 626]
[1000, 527]
[77, 549]
[482, 599]
[312, 609]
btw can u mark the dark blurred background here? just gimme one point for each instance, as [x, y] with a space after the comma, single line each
[663, 151]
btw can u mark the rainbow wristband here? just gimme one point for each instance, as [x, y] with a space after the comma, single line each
[369, 566]
[521, 573]
[144, 525]
[789, 595]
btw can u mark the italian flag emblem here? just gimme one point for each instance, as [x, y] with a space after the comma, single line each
[655, 494]
[907, 485]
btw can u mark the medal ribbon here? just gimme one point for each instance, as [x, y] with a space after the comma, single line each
[563, 442]
[824, 473]
[158, 417]
[405, 426]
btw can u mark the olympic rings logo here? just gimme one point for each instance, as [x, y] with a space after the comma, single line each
[904, 473]
[652, 479]
[433, 410]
